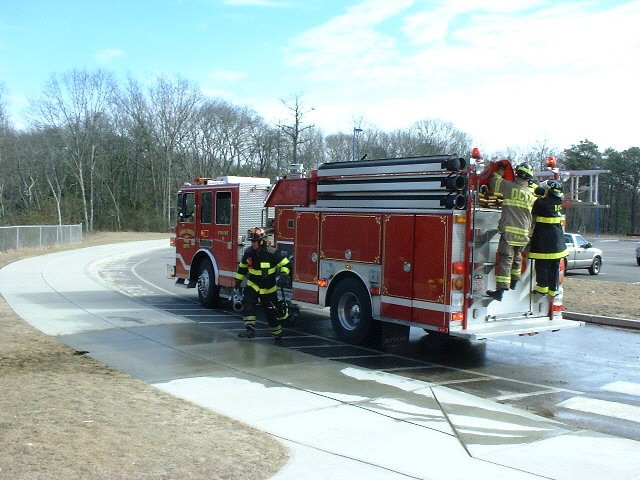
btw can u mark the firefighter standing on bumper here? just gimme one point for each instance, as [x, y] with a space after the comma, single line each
[514, 225]
[259, 265]
[547, 242]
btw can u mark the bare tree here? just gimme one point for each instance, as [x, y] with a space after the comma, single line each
[295, 132]
[162, 118]
[75, 107]
[538, 154]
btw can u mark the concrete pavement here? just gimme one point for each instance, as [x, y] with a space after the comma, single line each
[340, 421]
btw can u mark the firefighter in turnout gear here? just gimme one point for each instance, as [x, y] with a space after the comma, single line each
[259, 265]
[514, 225]
[547, 242]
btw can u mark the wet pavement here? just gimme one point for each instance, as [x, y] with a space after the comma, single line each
[340, 420]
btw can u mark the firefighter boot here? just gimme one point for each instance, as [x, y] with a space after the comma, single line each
[496, 294]
[277, 340]
[250, 332]
[514, 282]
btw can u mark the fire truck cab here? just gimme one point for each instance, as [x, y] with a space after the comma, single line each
[213, 216]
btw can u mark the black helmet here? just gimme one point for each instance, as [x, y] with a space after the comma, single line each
[524, 170]
[256, 234]
[555, 187]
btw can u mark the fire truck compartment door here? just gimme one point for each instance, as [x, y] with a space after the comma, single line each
[306, 257]
[414, 268]
[397, 266]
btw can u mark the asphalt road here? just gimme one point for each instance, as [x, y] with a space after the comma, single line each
[619, 260]
[586, 377]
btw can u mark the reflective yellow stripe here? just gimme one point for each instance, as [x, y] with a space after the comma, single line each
[503, 279]
[285, 270]
[548, 219]
[542, 290]
[517, 230]
[517, 203]
[548, 256]
[261, 291]
[258, 273]
[239, 276]
[275, 331]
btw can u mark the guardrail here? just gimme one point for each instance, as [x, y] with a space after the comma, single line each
[38, 236]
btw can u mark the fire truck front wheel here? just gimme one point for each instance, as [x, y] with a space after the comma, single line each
[208, 291]
[351, 312]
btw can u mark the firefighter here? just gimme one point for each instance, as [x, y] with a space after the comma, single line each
[547, 242]
[514, 225]
[261, 263]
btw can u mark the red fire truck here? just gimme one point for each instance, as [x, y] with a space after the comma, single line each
[386, 244]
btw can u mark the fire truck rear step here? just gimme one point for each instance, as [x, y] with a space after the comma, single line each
[513, 327]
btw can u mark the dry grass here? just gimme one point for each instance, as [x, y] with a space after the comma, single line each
[69, 416]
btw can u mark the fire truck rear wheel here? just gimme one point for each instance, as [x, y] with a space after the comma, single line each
[208, 291]
[351, 312]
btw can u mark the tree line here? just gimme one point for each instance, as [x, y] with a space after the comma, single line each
[112, 156]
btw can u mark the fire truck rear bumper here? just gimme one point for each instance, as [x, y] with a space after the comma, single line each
[518, 326]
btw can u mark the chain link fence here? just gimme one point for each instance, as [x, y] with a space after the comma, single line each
[38, 236]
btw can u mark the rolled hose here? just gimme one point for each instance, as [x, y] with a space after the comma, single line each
[458, 202]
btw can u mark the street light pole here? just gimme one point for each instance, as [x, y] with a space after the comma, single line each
[354, 153]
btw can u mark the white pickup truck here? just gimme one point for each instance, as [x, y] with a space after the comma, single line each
[582, 254]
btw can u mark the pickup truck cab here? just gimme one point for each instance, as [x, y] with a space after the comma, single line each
[582, 254]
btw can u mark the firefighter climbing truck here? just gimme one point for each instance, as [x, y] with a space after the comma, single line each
[385, 244]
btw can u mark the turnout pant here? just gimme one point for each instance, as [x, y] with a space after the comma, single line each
[269, 302]
[508, 264]
[547, 275]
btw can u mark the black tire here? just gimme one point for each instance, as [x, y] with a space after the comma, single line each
[351, 312]
[208, 291]
[638, 260]
[594, 269]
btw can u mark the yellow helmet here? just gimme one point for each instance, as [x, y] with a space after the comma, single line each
[524, 170]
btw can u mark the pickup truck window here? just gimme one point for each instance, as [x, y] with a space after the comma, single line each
[579, 240]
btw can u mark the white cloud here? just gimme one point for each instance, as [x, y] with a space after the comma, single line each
[506, 72]
[107, 55]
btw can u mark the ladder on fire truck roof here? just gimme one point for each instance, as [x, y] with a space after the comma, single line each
[426, 182]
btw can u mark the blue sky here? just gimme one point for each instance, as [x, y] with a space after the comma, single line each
[511, 73]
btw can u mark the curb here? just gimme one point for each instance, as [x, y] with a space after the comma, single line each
[610, 321]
